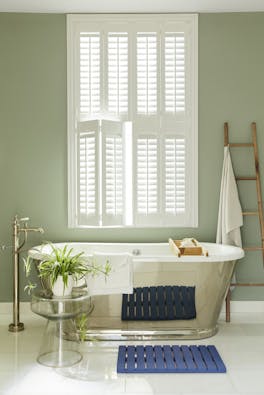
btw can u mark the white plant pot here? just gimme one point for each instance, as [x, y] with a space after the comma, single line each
[59, 289]
[79, 283]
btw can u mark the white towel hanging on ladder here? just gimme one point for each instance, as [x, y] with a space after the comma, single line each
[230, 217]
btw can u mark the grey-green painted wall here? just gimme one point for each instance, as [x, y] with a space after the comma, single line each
[33, 146]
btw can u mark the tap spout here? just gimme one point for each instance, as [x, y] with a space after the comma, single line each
[26, 229]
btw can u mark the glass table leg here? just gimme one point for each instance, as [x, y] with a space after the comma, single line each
[55, 350]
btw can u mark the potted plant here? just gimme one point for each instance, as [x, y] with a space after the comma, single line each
[61, 269]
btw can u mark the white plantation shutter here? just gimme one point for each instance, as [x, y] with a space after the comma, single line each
[174, 166]
[100, 159]
[146, 73]
[88, 133]
[89, 73]
[147, 188]
[174, 72]
[136, 77]
[117, 72]
[112, 173]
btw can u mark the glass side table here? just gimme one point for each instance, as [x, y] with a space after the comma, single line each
[59, 347]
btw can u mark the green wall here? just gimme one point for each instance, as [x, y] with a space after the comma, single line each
[33, 146]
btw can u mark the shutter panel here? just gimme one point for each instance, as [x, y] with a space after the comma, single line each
[88, 173]
[146, 73]
[174, 164]
[117, 72]
[89, 73]
[143, 70]
[147, 180]
[174, 69]
[112, 173]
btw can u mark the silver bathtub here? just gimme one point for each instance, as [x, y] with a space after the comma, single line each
[155, 265]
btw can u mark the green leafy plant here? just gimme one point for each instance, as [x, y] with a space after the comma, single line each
[62, 262]
[27, 267]
[81, 323]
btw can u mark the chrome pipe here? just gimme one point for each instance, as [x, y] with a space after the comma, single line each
[16, 325]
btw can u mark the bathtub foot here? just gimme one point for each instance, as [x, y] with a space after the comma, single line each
[228, 298]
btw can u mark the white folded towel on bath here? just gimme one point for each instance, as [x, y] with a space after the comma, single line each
[230, 217]
[120, 278]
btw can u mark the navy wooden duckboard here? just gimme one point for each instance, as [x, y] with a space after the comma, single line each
[159, 303]
[169, 359]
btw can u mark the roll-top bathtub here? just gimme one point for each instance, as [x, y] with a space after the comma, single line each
[156, 267]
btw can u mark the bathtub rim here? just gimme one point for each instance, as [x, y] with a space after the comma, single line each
[229, 253]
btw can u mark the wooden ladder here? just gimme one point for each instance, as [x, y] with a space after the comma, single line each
[259, 211]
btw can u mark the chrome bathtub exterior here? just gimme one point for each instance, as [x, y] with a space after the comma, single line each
[155, 265]
[211, 281]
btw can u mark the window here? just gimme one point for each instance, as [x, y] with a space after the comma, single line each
[132, 120]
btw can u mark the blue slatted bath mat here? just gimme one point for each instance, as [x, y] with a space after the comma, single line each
[159, 303]
[169, 359]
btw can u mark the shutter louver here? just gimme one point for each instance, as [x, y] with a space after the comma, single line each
[147, 177]
[112, 188]
[89, 73]
[118, 73]
[88, 170]
[174, 164]
[174, 72]
[146, 73]
[114, 176]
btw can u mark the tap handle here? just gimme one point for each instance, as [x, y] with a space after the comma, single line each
[17, 220]
[24, 219]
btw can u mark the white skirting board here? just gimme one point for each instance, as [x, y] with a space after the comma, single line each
[237, 306]
[26, 315]
[245, 306]
[7, 308]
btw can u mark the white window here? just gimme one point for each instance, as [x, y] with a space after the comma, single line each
[132, 120]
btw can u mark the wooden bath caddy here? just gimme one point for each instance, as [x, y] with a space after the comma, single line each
[190, 250]
[195, 250]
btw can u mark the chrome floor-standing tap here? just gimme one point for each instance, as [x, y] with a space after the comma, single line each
[19, 226]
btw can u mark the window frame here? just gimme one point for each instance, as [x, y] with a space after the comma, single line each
[76, 22]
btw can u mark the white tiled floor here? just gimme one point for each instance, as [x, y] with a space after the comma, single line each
[240, 344]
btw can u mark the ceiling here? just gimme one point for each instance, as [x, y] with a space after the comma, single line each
[130, 6]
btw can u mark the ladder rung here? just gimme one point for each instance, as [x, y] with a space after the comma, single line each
[241, 145]
[253, 248]
[246, 178]
[250, 213]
